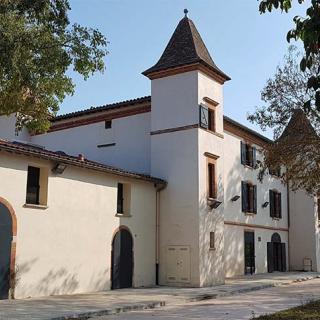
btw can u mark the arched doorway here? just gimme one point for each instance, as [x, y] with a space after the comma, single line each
[122, 259]
[276, 254]
[7, 247]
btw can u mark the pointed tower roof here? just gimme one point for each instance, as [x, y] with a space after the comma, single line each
[185, 48]
[298, 127]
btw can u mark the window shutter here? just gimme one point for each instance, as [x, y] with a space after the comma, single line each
[211, 182]
[204, 117]
[271, 203]
[279, 206]
[270, 256]
[244, 196]
[254, 157]
[243, 152]
[254, 199]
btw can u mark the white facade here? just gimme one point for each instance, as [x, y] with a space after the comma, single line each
[179, 237]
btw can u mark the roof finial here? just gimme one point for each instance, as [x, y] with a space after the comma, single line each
[186, 13]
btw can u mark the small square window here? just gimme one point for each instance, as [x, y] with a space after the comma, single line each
[108, 124]
[212, 240]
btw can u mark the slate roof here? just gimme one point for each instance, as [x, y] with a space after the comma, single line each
[59, 156]
[185, 47]
[298, 127]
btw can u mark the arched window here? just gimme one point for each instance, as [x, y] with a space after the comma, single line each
[276, 237]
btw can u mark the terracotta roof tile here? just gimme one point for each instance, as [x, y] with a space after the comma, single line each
[40, 152]
[185, 47]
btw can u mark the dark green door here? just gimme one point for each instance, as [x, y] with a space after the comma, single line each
[5, 250]
[249, 253]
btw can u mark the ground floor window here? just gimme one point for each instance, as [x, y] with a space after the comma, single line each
[276, 254]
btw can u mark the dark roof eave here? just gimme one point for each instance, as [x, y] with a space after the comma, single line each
[52, 156]
[241, 126]
[155, 69]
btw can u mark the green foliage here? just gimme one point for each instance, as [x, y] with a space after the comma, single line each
[308, 31]
[297, 144]
[309, 311]
[37, 47]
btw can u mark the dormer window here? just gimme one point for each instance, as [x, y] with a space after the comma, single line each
[248, 155]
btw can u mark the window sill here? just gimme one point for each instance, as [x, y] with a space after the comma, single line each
[35, 206]
[123, 215]
[212, 249]
[249, 213]
[249, 167]
[275, 218]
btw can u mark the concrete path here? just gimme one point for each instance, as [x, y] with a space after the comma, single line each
[82, 306]
[238, 307]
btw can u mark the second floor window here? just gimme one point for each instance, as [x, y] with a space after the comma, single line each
[212, 188]
[318, 202]
[248, 155]
[249, 197]
[33, 186]
[207, 118]
[275, 204]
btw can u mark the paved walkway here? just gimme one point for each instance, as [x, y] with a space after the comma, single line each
[82, 306]
[239, 307]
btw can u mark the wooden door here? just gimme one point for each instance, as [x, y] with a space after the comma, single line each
[5, 250]
[249, 253]
[122, 260]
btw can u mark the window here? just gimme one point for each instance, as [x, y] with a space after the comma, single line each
[37, 186]
[248, 155]
[123, 198]
[120, 199]
[275, 171]
[275, 204]
[33, 185]
[108, 124]
[211, 176]
[207, 118]
[318, 202]
[212, 240]
[249, 197]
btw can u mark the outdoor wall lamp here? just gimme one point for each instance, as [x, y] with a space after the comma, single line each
[59, 168]
[213, 204]
[235, 198]
[265, 204]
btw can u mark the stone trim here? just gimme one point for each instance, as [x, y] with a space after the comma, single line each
[191, 126]
[257, 226]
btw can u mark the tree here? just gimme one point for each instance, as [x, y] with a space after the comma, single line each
[296, 130]
[308, 31]
[38, 45]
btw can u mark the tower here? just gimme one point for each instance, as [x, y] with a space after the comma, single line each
[187, 151]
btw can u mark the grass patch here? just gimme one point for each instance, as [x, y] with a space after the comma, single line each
[309, 311]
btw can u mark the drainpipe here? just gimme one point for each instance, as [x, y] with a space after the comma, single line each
[288, 209]
[159, 188]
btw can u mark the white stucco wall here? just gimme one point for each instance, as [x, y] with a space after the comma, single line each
[131, 136]
[304, 230]
[66, 248]
[234, 173]
[211, 220]
[7, 129]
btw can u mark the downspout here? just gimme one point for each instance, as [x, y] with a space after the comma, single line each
[159, 188]
[288, 209]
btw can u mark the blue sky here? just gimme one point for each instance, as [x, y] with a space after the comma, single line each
[244, 44]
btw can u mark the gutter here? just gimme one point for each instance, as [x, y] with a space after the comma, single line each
[159, 188]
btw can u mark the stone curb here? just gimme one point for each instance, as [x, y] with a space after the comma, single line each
[158, 304]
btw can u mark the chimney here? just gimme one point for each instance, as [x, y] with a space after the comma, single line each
[81, 157]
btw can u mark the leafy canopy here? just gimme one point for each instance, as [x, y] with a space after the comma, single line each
[38, 45]
[297, 143]
[308, 31]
